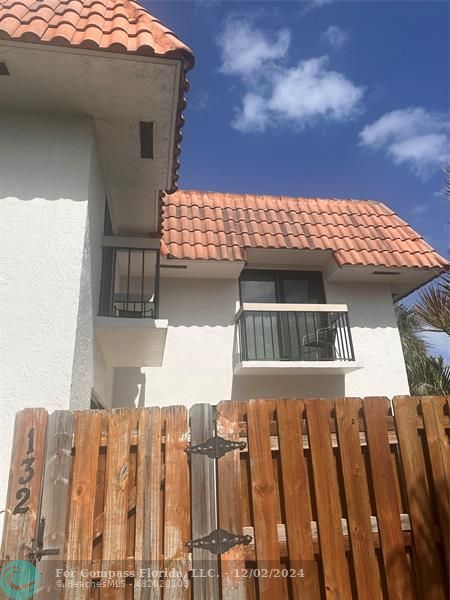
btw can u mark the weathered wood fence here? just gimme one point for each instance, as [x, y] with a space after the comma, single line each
[339, 499]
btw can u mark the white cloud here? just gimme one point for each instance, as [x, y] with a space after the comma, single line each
[245, 49]
[313, 4]
[276, 94]
[253, 116]
[411, 136]
[335, 36]
[310, 91]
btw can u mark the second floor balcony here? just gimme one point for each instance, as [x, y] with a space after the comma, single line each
[294, 338]
[129, 329]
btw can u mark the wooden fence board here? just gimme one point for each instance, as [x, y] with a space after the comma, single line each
[438, 450]
[229, 499]
[148, 503]
[329, 511]
[116, 503]
[388, 509]
[357, 498]
[25, 484]
[82, 501]
[55, 500]
[264, 498]
[297, 499]
[203, 503]
[419, 501]
[176, 503]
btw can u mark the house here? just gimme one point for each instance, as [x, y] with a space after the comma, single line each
[118, 290]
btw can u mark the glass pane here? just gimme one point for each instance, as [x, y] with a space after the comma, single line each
[296, 291]
[302, 288]
[258, 291]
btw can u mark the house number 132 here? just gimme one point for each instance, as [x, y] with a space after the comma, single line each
[23, 493]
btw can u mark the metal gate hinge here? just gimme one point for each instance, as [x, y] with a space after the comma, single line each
[216, 447]
[38, 550]
[219, 541]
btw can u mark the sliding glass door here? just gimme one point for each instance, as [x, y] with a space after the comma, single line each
[280, 335]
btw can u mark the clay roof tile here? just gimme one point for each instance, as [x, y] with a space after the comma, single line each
[215, 226]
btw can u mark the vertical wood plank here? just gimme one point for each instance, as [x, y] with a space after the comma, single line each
[25, 484]
[176, 503]
[55, 499]
[329, 511]
[264, 498]
[99, 504]
[367, 576]
[419, 501]
[203, 503]
[131, 522]
[439, 452]
[116, 502]
[148, 502]
[230, 506]
[388, 508]
[82, 502]
[297, 499]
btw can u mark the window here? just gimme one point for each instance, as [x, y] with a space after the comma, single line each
[278, 335]
[286, 287]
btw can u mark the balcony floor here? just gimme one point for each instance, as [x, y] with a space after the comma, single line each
[132, 342]
[304, 367]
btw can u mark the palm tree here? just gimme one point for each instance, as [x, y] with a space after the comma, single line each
[426, 375]
[433, 306]
[435, 377]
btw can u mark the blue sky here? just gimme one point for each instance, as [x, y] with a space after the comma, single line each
[319, 98]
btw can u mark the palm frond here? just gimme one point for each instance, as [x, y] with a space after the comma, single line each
[433, 306]
[426, 375]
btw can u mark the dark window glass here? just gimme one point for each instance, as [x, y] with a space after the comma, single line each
[295, 291]
[291, 287]
[301, 288]
[281, 335]
[258, 291]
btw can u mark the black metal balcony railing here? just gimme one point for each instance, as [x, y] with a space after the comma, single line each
[285, 335]
[130, 283]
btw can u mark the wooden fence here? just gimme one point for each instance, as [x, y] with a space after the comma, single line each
[338, 499]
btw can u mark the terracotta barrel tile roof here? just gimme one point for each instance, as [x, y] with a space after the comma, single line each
[215, 226]
[118, 25]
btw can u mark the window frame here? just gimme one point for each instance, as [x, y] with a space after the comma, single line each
[277, 275]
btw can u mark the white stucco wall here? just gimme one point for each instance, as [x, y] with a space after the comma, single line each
[50, 195]
[198, 365]
[376, 339]
[89, 368]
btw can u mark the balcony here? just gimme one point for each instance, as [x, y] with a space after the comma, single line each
[128, 327]
[294, 339]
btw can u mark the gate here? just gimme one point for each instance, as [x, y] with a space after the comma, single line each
[302, 499]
